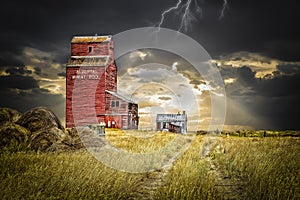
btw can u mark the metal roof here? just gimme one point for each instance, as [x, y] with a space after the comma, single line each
[120, 96]
[75, 61]
[91, 39]
[178, 124]
[171, 118]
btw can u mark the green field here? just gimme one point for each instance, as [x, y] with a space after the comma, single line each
[235, 168]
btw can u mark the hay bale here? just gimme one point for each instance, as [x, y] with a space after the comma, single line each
[53, 139]
[39, 119]
[65, 144]
[38, 129]
[13, 133]
[46, 129]
[43, 139]
[75, 140]
[8, 115]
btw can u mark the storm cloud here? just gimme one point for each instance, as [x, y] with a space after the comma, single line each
[256, 47]
[270, 102]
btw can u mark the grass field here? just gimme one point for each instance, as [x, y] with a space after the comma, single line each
[235, 168]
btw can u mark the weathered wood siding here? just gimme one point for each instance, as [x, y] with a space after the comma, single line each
[83, 86]
[111, 77]
[117, 113]
[87, 101]
[98, 49]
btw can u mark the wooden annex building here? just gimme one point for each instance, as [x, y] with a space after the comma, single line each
[91, 86]
[176, 123]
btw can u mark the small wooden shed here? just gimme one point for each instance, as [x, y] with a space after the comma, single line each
[176, 123]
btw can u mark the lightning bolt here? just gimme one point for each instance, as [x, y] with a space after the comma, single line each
[186, 13]
[225, 6]
[168, 11]
[186, 17]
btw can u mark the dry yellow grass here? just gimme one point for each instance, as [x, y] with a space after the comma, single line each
[266, 168]
[138, 141]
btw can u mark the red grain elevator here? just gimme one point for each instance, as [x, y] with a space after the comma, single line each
[91, 86]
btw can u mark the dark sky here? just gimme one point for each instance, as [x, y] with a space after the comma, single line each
[253, 37]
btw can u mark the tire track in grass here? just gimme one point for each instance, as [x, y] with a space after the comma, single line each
[155, 179]
[228, 187]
